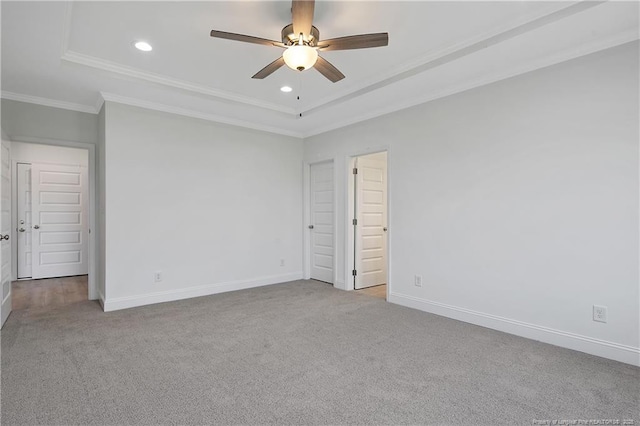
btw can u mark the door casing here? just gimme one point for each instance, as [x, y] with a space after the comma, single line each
[5, 230]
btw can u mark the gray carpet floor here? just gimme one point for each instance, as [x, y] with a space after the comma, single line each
[293, 353]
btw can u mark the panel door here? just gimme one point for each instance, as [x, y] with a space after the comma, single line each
[371, 212]
[322, 228]
[5, 230]
[60, 220]
[24, 219]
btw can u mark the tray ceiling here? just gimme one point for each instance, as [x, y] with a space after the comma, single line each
[74, 54]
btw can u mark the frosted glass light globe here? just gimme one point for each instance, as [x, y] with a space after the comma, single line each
[300, 57]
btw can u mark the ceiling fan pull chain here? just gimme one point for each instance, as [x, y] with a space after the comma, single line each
[299, 92]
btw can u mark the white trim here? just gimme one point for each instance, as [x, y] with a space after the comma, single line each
[523, 25]
[109, 66]
[99, 103]
[565, 339]
[66, 27]
[109, 97]
[101, 299]
[93, 207]
[118, 303]
[48, 102]
[567, 55]
[306, 220]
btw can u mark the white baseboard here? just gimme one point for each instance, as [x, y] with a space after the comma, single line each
[101, 299]
[197, 291]
[340, 284]
[602, 348]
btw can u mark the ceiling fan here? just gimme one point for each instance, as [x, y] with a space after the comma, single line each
[302, 43]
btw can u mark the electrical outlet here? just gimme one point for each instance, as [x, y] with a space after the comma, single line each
[281, 262]
[157, 276]
[599, 313]
[417, 280]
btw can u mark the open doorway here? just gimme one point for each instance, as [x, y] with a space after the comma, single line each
[51, 215]
[368, 210]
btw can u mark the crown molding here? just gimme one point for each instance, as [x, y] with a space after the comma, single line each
[406, 70]
[110, 97]
[48, 102]
[99, 103]
[113, 67]
[557, 58]
[451, 53]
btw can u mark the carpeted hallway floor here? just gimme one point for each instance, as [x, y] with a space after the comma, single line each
[293, 353]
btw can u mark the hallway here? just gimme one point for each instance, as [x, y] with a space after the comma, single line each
[49, 292]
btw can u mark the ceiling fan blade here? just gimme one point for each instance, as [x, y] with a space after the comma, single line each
[325, 68]
[302, 14]
[361, 41]
[245, 38]
[269, 69]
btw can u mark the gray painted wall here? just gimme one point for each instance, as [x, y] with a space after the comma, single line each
[213, 207]
[25, 121]
[516, 202]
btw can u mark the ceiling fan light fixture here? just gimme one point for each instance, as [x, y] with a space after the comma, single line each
[300, 57]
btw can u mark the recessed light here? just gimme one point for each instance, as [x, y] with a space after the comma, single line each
[286, 89]
[144, 46]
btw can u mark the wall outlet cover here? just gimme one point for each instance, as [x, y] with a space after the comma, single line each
[599, 313]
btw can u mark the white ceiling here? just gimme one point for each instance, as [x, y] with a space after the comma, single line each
[74, 54]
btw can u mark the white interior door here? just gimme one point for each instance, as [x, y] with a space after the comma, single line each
[60, 220]
[321, 226]
[5, 230]
[371, 215]
[24, 219]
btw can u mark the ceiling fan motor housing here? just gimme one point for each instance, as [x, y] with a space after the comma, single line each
[290, 38]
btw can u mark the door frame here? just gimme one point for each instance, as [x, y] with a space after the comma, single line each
[306, 219]
[349, 214]
[93, 293]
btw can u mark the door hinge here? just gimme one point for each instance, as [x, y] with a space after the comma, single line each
[355, 170]
[354, 221]
[354, 272]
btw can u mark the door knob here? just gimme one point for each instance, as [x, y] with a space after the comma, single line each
[4, 237]
[21, 229]
[36, 226]
[310, 226]
[384, 229]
